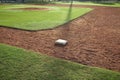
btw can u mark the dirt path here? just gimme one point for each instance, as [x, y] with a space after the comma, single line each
[94, 39]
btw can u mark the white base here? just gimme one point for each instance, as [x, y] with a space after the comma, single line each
[61, 42]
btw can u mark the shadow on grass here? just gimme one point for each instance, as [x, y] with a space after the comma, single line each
[69, 11]
[65, 32]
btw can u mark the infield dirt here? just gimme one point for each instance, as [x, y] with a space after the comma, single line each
[93, 39]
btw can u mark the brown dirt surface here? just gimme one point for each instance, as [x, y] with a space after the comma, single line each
[93, 39]
[30, 8]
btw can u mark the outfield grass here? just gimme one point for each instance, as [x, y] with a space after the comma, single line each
[92, 3]
[35, 20]
[19, 64]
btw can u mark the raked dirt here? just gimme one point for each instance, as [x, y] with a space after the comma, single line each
[93, 39]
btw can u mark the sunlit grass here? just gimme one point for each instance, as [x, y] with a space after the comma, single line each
[35, 20]
[20, 64]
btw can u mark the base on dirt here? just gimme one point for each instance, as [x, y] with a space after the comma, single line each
[61, 42]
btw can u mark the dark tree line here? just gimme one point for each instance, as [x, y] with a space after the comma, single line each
[7, 1]
[22, 1]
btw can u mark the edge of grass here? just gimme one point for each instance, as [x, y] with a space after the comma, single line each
[20, 64]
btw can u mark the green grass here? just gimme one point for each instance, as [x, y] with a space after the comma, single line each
[35, 20]
[92, 3]
[19, 64]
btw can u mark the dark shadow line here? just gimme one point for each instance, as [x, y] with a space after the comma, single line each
[69, 11]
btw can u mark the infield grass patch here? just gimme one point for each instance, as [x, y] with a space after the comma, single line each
[37, 19]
